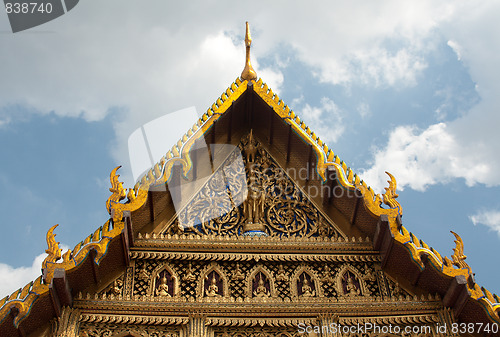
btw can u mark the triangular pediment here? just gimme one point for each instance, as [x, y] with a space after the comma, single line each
[280, 239]
[250, 193]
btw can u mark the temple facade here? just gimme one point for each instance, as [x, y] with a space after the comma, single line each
[279, 238]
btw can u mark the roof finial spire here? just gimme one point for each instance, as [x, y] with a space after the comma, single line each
[248, 73]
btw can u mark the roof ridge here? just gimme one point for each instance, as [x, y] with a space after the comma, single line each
[23, 299]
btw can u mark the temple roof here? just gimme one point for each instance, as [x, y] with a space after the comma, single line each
[245, 105]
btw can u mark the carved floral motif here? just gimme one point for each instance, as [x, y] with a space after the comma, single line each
[273, 202]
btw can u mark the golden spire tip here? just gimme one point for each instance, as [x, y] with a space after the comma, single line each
[248, 73]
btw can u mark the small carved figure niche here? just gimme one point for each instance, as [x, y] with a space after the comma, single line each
[261, 286]
[350, 284]
[305, 286]
[164, 284]
[213, 286]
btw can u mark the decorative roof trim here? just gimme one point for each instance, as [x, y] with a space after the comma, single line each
[373, 203]
[24, 298]
[162, 171]
[325, 158]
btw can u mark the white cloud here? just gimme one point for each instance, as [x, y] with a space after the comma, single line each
[175, 56]
[466, 147]
[489, 218]
[12, 278]
[446, 95]
[364, 110]
[321, 119]
[4, 122]
[376, 67]
[274, 79]
[456, 48]
[421, 158]
[154, 62]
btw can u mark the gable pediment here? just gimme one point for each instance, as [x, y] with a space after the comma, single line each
[251, 194]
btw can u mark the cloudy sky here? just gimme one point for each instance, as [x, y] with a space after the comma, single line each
[407, 87]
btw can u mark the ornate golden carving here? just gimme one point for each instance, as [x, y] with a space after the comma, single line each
[134, 330]
[189, 274]
[250, 257]
[248, 73]
[327, 275]
[390, 194]
[350, 282]
[260, 283]
[143, 274]
[305, 283]
[23, 299]
[213, 282]
[238, 274]
[325, 157]
[117, 190]
[163, 289]
[54, 254]
[458, 256]
[68, 323]
[213, 290]
[115, 288]
[162, 274]
[261, 328]
[281, 276]
[274, 204]
[53, 250]
[261, 289]
[306, 289]
[97, 241]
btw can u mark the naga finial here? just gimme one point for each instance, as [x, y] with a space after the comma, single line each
[390, 194]
[53, 249]
[458, 256]
[248, 73]
[116, 188]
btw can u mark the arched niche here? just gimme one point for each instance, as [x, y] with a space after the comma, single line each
[213, 282]
[173, 281]
[305, 283]
[262, 275]
[350, 282]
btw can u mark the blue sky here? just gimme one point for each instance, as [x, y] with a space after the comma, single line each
[407, 87]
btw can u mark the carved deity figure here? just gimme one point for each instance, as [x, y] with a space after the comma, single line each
[370, 275]
[143, 274]
[261, 290]
[116, 289]
[396, 290]
[327, 276]
[281, 276]
[253, 207]
[238, 275]
[189, 274]
[351, 288]
[251, 148]
[213, 290]
[307, 291]
[162, 289]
